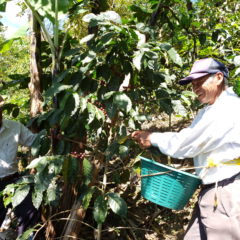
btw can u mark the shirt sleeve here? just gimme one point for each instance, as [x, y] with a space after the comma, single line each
[206, 133]
[26, 137]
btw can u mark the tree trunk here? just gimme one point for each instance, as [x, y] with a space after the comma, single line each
[72, 228]
[35, 68]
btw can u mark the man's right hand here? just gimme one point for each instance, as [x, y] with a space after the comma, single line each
[142, 138]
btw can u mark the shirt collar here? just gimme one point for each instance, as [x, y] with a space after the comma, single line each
[229, 91]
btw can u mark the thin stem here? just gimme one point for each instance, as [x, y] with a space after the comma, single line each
[63, 44]
[99, 227]
[56, 26]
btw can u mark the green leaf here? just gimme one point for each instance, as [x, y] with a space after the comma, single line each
[111, 110]
[46, 8]
[202, 38]
[6, 46]
[236, 87]
[87, 196]
[175, 56]
[52, 192]
[62, 75]
[108, 95]
[87, 38]
[123, 151]
[100, 209]
[20, 195]
[83, 103]
[91, 112]
[99, 114]
[137, 60]
[236, 61]
[3, 5]
[87, 171]
[26, 235]
[111, 16]
[8, 193]
[123, 102]
[165, 46]
[77, 103]
[41, 162]
[37, 197]
[88, 17]
[117, 204]
[38, 145]
[179, 108]
[55, 89]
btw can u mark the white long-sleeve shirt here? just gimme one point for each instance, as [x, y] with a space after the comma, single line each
[12, 134]
[213, 134]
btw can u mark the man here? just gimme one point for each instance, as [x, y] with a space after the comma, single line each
[213, 135]
[13, 134]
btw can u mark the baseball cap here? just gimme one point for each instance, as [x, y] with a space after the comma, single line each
[204, 67]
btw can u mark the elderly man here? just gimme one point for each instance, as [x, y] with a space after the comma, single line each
[13, 134]
[214, 134]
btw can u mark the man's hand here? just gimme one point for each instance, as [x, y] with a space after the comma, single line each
[142, 138]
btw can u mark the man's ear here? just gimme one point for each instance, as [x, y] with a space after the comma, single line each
[219, 78]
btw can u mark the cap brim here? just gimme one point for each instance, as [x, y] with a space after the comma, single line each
[191, 77]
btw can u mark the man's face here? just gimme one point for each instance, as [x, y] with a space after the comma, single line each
[208, 88]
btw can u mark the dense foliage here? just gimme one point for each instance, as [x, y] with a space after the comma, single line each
[104, 74]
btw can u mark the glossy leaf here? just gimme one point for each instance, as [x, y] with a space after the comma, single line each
[87, 196]
[175, 56]
[137, 60]
[117, 204]
[87, 171]
[37, 198]
[20, 195]
[237, 61]
[123, 102]
[100, 209]
[6, 46]
[26, 235]
[52, 192]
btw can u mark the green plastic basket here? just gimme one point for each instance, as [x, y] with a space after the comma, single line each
[172, 189]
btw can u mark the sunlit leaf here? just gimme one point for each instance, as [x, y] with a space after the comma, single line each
[27, 234]
[122, 101]
[236, 61]
[87, 171]
[6, 46]
[137, 60]
[87, 38]
[20, 195]
[117, 204]
[88, 17]
[87, 196]
[175, 56]
[47, 8]
[100, 209]
[37, 198]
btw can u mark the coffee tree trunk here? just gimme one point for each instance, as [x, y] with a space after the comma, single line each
[35, 68]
